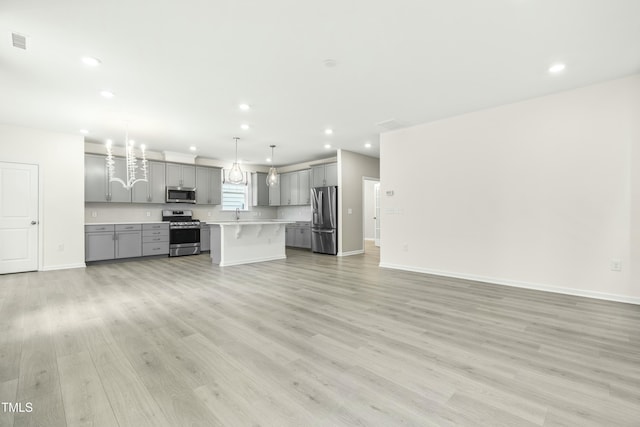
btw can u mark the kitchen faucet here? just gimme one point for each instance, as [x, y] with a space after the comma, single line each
[237, 214]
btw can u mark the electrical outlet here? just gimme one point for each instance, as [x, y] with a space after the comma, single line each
[208, 213]
[349, 211]
[61, 248]
[405, 247]
[615, 265]
[94, 214]
[148, 213]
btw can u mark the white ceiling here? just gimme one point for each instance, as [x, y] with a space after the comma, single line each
[179, 69]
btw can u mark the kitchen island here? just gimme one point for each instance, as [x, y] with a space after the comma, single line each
[244, 242]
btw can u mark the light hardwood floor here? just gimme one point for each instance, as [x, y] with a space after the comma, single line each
[313, 340]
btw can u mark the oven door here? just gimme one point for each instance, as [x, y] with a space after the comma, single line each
[184, 236]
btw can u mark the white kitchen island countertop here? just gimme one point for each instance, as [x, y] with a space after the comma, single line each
[244, 242]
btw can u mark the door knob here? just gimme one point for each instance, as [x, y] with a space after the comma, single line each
[34, 222]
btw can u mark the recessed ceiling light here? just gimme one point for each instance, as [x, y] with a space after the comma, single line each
[192, 148]
[269, 159]
[107, 94]
[244, 107]
[244, 126]
[330, 63]
[557, 68]
[91, 61]
[328, 131]
[327, 145]
[367, 145]
[84, 131]
[109, 141]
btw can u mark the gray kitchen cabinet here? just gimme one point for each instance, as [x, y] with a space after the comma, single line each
[128, 239]
[274, 195]
[208, 186]
[294, 191]
[259, 189]
[152, 191]
[331, 174]
[205, 238]
[304, 187]
[285, 189]
[99, 243]
[155, 239]
[97, 188]
[95, 179]
[298, 235]
[324, 175]
[305, 237]
[294, 188]
[178, 175]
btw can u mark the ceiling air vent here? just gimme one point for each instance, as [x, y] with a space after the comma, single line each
[19, 41]
[392, 124]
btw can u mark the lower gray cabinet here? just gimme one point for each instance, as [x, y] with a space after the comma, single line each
[298, 235]
[128, 241]
[109, 241]
[205, 237]
[99, 242]
[155, 239]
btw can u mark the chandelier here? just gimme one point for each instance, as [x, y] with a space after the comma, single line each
[131, 164]
[273, 179]
[235, 174]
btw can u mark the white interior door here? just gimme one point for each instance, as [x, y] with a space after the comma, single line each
[18, 217]
[376, 197]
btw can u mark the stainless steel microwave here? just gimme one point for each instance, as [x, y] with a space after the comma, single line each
[181, 195]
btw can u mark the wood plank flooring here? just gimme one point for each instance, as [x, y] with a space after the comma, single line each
[313, 340]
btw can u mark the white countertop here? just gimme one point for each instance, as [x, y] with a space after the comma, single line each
[126, 222]
[250, 222]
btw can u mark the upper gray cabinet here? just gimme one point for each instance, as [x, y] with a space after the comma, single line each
[97, 187]
[274, 195]
[208, 186]
[324, 175]
[181, 175]
[259, 189]
[152, 191]
[285, 189]
[294, 188]
[304, 189]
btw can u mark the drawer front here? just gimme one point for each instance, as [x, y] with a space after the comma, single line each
[98, 228]
[164, 226]
[156, 233]
[154, 239]
[161, 248]
[128, 227]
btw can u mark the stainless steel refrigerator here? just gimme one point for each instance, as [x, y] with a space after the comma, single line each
[324, 220]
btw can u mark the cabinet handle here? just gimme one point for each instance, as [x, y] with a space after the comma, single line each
[156, 249]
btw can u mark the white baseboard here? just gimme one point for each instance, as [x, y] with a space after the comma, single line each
[517, 284]
[358, 252]
[63, 267]
[252, 261]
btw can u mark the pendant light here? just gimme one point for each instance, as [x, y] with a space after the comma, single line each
[273, 179]
[236, 176]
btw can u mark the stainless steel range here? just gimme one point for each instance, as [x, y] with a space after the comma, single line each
[184, 232]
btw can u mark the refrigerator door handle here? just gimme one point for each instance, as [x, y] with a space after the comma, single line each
[324, 231]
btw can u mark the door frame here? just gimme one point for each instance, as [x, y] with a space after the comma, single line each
[364, 210]
[39, 234]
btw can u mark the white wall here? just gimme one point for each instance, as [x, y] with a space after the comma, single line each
[534, 194]
[60, 160]
[352, 168]
[369, 210]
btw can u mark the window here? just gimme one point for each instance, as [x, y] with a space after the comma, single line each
[234, 196]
